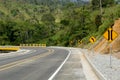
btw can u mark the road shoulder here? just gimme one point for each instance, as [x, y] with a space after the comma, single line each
[72, 69]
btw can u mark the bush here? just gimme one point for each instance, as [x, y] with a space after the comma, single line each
[104, 26]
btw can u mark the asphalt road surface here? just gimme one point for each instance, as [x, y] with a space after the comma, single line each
[39, 64]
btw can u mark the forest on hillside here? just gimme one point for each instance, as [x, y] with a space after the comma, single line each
[54, 22]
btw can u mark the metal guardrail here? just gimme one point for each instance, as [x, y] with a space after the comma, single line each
[32, 45]
[9, 48]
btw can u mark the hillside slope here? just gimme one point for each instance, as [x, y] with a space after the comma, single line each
[103, 46]
[24, 22]
[59, 24]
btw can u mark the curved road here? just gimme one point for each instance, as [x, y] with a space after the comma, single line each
[39, 64]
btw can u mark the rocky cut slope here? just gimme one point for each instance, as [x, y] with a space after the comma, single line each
[103, 46]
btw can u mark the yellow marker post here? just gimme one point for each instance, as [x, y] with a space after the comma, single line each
[30, 45]
[27, 45]
[43, 45]
[33, 45]
[23, 45]
[39, 45]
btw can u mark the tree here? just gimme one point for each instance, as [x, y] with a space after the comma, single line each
[48, 18]
[15, 12]
[105, 3]
[98, 21]
[65, 22]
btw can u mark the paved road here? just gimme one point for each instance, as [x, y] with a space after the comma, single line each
[40, 64]
[72, 69]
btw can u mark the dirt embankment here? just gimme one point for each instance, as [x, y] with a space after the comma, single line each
[103, 46]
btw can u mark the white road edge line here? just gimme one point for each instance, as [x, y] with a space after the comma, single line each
[58, 69]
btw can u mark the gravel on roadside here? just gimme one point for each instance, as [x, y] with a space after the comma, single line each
[102, 63]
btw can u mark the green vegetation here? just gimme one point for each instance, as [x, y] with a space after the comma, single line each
[37, 21]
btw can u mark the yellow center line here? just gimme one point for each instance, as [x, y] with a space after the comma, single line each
[16, 63]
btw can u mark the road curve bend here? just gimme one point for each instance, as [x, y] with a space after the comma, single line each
[38, 64]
